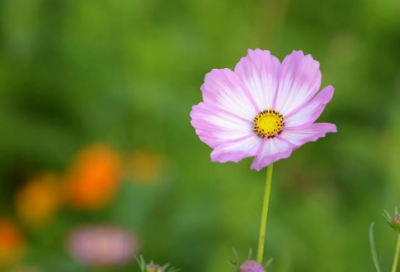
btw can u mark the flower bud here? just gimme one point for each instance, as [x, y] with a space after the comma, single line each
[251, 266]
[396, 221]
[152, 267]
[393, 221]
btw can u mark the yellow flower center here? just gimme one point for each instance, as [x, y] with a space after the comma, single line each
[268, 123]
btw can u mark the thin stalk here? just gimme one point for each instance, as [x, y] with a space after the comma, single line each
[264, 215]
[396, 255]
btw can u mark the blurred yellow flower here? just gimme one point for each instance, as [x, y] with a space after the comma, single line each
[24, 269]
[93, 179]
[38, 201]
[12, 243]
[145, 168]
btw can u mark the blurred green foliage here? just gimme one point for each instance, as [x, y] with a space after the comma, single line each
[128, 72]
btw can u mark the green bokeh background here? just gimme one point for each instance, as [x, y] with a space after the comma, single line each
[128, 72]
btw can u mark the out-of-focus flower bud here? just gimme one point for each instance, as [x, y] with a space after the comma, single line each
[152, 267]
[393, 221]
[251, 266]
[396, 221]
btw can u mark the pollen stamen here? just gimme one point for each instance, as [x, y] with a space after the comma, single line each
[268, 123]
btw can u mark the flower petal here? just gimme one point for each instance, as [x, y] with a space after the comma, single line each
[237, 150]
[215, 126]
[310, 112]
[222, 88]
[298, 137]
[299, 80]
[259, 72]
[272, 150]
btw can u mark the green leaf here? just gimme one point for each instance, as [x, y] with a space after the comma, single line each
[387, 216]
[268, 262]
[250, 254]
[371, 240]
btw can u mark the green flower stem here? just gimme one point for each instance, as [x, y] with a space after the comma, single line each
[264, 215]
[396, 255]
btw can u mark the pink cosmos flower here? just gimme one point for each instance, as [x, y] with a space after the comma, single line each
[263, 108]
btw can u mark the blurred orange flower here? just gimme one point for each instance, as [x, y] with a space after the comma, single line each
[38, 201]
[12, 243]
[93, 179]
[145, 168]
